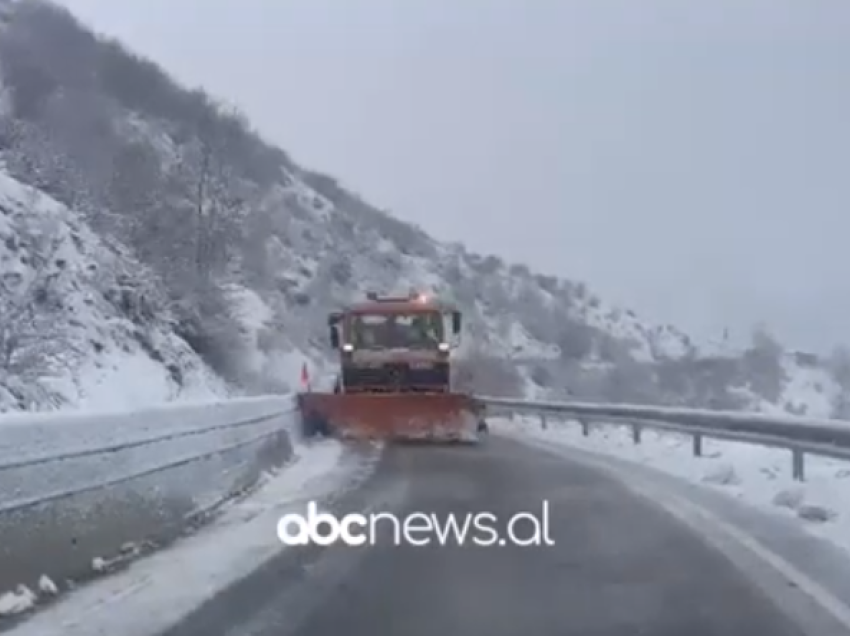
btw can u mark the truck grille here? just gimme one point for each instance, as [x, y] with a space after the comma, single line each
[396, 377]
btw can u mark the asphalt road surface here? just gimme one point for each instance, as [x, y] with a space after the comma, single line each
[619, 566]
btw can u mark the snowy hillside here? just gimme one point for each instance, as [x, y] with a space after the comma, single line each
[205, 258]
[809, 390]
[81, 325]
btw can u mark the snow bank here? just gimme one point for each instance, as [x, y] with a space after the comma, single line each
[809, 391]
[754, 474]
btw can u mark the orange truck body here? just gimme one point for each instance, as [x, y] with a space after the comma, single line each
[396, 374]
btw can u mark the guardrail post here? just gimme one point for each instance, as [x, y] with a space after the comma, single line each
[697, 439]
[800, 438]
[798, 471]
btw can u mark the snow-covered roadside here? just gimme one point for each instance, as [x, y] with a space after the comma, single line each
[159, 590]
[759, 476]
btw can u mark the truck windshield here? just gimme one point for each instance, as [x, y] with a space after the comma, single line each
[420, 330]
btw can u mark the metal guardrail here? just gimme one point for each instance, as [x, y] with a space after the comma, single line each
[81, 487]
[829, 438]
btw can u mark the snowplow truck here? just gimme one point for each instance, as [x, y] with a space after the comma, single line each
[396, 379]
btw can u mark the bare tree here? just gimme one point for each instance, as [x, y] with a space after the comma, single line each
[480, 372]
[629, 381]
[215, 191]
[34, 345]
[5, 99]
[838, 366]
[762, 363]
[575, 340]
[128, 196]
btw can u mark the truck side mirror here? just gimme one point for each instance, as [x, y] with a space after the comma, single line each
[333, 322]
[456, 322]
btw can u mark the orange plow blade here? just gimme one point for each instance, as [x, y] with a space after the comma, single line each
[439, 417]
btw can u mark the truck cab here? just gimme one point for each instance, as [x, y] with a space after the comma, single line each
[395, 344]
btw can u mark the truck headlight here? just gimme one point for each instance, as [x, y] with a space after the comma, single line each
[443, 346]
[348, 347]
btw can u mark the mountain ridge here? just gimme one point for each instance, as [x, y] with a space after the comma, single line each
[243, 251]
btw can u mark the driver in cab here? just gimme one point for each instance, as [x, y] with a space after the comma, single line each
[424, 329]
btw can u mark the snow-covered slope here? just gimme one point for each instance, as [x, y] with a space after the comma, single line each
[808, 390]
[80, 317]
[238, 253]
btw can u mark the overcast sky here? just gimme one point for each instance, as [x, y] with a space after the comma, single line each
[690, 159]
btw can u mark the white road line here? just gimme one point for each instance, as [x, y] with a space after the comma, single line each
[697, 518]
